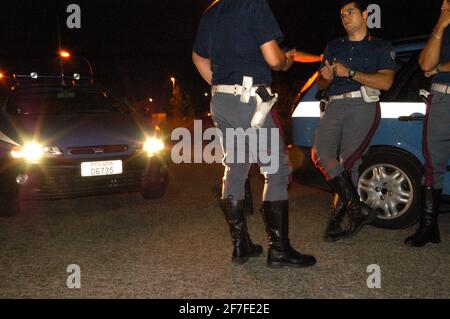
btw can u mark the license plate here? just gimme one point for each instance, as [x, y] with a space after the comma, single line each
[104, 168]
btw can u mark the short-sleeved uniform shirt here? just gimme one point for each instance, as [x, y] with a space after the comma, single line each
[445, 57]
[230, 35]
[368, 56]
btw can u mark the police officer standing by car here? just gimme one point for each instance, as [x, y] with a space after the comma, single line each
[236, 48]
[354, 70]
[435, 61]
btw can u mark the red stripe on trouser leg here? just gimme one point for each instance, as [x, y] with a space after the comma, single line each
[316, 162]
[429, 169]
[277, 122]
[350, 162]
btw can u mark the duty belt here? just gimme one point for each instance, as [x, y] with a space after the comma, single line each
[441, 88]
[349, 95]
[234, 89]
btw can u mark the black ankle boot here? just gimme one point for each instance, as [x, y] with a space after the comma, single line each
[428, 231]
[248, 200]
[243, 246]
[334, 229]
[281, 253]
[359, 213]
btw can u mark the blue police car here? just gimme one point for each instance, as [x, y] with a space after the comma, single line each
[64, 137]
[391, 174]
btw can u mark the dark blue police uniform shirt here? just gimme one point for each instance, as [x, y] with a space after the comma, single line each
[368, 56]
[445, 57]
[231, 33]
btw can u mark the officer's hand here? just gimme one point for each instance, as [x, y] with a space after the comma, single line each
[327, 71]
[444, 19]
[431, 73]
[340, 70]
[289, 61]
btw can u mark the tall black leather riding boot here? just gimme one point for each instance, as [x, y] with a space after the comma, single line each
[428, 231]
[243, 246]
[359, 213]
[281, 253]
[338, 210]
[248, 200]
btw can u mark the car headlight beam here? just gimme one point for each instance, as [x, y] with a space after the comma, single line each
[153, 146]
[31, 152]
[34, 152]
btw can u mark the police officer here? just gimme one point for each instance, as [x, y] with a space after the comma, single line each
[353, 71]
[435, 61]
[237, 39]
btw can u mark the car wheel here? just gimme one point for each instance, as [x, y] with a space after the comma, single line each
[390, 182]
[9, 206]
[153, 193]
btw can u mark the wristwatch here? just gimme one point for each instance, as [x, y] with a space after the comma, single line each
[351, 74]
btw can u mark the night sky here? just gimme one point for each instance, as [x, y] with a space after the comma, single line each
[135, 46]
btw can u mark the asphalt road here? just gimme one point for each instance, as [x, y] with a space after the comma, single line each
[179, 247]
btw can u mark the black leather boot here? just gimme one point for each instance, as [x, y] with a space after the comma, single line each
[428, 231]
[359, 213]
[338, 210]
[248, 200]
[243, 246]
[281, 253]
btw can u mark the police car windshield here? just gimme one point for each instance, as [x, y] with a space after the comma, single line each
[60, 101]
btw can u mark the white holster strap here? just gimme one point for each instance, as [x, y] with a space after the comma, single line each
[262, 111]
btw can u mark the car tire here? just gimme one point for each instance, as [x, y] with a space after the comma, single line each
[398, 194]
[9, 207]
[153, 193]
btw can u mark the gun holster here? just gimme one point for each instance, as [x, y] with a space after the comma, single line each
[264, 103]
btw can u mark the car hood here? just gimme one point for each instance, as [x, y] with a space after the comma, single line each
[79, 130]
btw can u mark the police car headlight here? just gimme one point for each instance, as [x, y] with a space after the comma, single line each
[31, 152]
[153, 146]
[34, 152]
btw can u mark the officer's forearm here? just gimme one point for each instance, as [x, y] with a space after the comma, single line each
[203, 66]
[275, 58]
[382, 80]
[323, 83]
[429, 57]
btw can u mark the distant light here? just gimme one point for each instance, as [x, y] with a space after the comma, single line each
[34, 75]
[1, 75]
[64, 54]
[206, 94]
[150, 100]
[76, 76]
